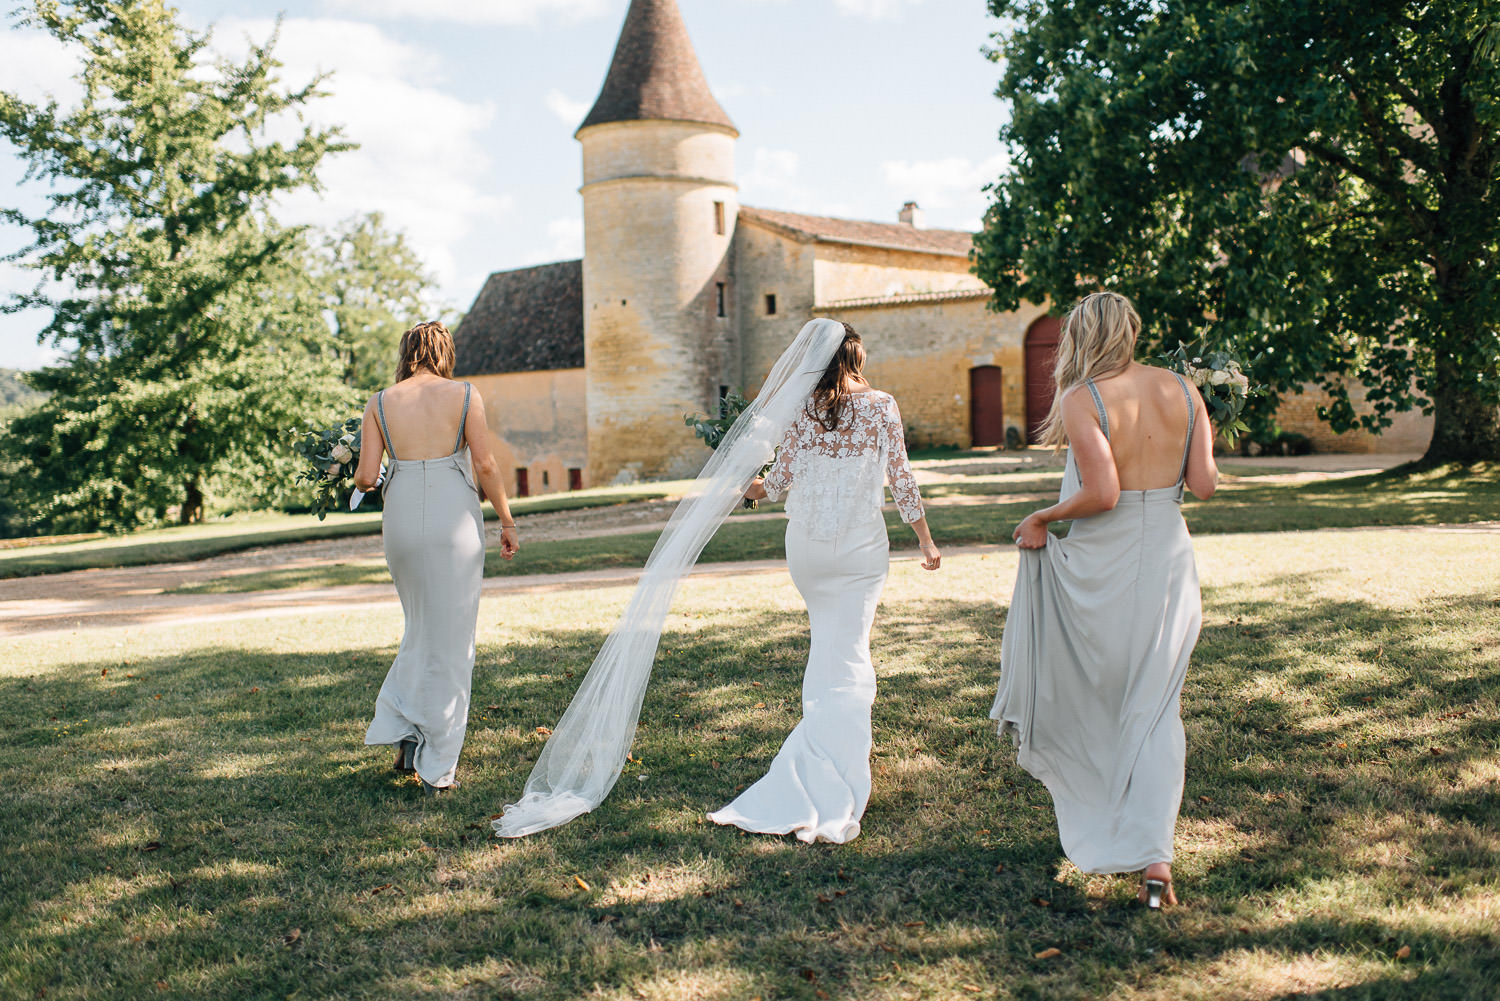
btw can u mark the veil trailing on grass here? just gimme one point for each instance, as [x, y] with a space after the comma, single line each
[587, 749]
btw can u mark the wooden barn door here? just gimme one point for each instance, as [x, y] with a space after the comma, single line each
[986, 415]
[1041, 357]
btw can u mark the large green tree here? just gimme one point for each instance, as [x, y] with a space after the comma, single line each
[191, 334]
[372, 284]
[1318, 180]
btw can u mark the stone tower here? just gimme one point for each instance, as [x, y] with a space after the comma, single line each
[659, 211]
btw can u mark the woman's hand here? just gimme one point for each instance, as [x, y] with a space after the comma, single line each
[1032, 532]
[932, 558]
[757, 490]
[510, 542]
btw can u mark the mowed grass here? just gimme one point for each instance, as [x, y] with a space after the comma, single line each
[190, 812]
[1442, 496]
[181, 543]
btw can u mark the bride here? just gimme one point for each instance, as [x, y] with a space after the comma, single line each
[835, 459]
[588, 746]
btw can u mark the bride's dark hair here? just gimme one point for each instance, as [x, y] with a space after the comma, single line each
[832, 391]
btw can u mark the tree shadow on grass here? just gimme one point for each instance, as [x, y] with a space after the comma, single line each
[182, 840]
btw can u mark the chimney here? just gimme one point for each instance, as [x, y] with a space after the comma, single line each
[911, 214]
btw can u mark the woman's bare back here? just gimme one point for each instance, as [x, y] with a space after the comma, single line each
[422, 414]
[1148, 425]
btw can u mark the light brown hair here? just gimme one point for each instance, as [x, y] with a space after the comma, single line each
[426, 346]
[1098, 337]
[832, 391]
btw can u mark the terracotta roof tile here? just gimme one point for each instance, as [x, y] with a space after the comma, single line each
[529, 320]
[891, 235]
[655, 72]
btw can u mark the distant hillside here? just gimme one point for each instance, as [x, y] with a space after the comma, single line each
[14, 392]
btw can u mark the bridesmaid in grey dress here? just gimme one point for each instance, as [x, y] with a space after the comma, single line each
[1103, 622]
[434, 432]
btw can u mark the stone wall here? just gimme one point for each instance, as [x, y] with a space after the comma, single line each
[767, 263]
[852, 272]
[921, 353]
[654, 342]
[1409, 432]
[540, 422]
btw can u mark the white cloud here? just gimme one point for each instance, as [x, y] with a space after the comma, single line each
[565, 242]
[772, 169]
[878, 10]
[421, 159]
[34, 66]
[472, 11]
[954, 182]
[564, 107]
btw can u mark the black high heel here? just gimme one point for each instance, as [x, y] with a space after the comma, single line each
[406, 757]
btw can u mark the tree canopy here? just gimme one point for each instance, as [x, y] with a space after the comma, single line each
[193, 337]
[1315, 183]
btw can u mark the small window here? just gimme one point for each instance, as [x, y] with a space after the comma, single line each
[575, 479]
[719, 299]
[546, 480]
[723, 392]
[719, 218]
[523, 482]
[770, 303]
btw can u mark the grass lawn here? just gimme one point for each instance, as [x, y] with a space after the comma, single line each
[190, 812]
[228, 535]
[1438, 497]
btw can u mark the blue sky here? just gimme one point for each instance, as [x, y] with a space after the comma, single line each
[465, 111]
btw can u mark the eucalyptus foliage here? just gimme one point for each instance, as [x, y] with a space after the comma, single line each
[1309, 182]
[191, 330]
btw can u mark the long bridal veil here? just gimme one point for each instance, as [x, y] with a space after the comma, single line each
[587, 749]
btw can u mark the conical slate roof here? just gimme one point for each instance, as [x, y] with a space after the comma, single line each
[655, 73]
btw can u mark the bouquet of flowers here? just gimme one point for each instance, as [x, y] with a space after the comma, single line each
[331, 455]
[1222, 380]
[713, 429]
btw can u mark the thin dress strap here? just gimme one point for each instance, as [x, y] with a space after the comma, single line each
[380, 406]
[463, 418]
[1099, 404]
[1192, 419]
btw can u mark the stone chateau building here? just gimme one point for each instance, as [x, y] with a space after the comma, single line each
[588, 366]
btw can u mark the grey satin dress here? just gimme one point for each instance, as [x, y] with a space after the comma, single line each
[433, 532]
[1096, 647]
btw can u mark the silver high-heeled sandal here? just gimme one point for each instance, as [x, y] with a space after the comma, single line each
[1156, 889]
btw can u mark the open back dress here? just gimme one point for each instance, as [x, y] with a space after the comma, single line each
[433, 532]
[1095, 651]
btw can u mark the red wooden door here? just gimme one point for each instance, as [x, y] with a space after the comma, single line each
[1041, 358]
[523, 482]
[986, 415]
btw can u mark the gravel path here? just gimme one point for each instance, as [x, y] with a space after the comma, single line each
[95, 598]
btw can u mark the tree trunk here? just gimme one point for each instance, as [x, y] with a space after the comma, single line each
[192, 502]
[1465, 428]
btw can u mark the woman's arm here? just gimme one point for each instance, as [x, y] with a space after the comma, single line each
[487, 472]
[778, 479]
[371, 450]
[1202, 474]
[904, 485]
[1096, 468]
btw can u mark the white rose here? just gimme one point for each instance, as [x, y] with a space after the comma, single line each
[1218, 378]
[1198, 375]
[1242, 381]
[341, 453]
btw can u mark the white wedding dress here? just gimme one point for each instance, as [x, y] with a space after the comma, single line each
[838, 555]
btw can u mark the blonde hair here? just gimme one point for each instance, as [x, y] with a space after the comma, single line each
[1098, 337]
[427, 345]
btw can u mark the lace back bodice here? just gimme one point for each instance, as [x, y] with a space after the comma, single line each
[839, 476]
